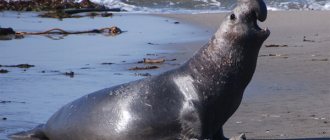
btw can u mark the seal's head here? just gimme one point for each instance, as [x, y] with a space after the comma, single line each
[241, 24]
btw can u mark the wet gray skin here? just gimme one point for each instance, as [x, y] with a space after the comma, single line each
[190, 102]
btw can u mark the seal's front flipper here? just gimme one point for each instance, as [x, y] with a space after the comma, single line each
[34, 134]
[240, 137]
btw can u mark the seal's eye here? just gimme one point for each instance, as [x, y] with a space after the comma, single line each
[232, 17]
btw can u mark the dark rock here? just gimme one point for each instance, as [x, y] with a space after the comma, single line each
[70, 74]
[3, 71]
[7, 31]
[46, 5]
[107, 63]
[4, 102]
[25, 66]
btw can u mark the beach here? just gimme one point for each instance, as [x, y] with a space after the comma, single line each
[288, 96]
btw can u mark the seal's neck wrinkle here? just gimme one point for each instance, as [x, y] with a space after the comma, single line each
[224, 64]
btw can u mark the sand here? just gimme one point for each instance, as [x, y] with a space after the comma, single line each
[289, 95]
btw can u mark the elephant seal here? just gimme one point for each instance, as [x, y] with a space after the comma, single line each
[190, 102]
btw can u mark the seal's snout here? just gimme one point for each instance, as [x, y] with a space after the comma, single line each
[256, 7]
[260, 9]
[249, 12]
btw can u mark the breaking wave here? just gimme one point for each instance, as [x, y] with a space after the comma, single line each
[208, 5]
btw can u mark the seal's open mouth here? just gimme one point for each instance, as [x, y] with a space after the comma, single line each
[257, 27]
[250, 12]
[263, 32]
[259, 9]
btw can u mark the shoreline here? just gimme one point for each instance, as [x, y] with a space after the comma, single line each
[68, 67]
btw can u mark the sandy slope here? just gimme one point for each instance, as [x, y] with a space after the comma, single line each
[289, 96]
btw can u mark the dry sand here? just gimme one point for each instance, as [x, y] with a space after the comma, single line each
[289, 96]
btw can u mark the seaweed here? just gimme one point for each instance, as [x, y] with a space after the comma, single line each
[152, 61]
[23, 66]
[108, 30]
[107, 63]
[275, 46]
[143, 74]
[144, 68]
[9, 33]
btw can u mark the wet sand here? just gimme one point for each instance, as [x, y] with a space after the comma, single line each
[289, 96]
[68, 67]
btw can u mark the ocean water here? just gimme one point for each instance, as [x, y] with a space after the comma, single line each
[28, 97]
[208, 5]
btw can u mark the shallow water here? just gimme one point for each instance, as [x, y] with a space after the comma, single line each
[30, 96]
